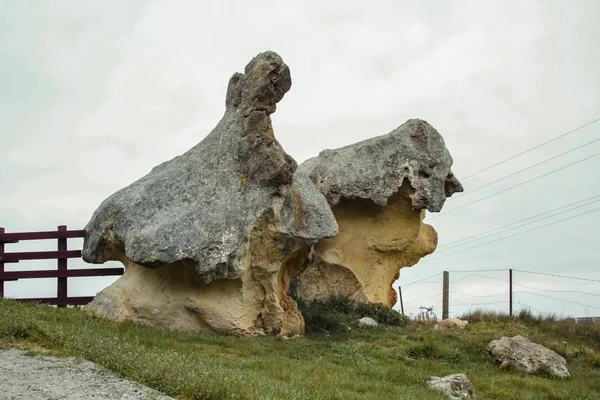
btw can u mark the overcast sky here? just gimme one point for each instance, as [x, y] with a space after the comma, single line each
[94, 94]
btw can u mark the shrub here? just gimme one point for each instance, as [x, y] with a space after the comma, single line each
[336, 313]
[594, 360]
[382, 314]
[524, 316]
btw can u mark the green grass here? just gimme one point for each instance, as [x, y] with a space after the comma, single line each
[376, 363]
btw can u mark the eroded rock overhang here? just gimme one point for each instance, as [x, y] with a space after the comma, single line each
[229, 209]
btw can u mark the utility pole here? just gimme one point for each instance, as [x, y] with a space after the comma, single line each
[401, 303]
[510, 293]
[445, 294]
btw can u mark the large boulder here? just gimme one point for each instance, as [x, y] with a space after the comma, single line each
[378, 190]
[211, 239]
[519, 353]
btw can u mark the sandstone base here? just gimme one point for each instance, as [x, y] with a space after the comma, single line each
[364, 260]
[175, 296]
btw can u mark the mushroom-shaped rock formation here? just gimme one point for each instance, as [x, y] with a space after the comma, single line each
[378, 190]
[211, 239]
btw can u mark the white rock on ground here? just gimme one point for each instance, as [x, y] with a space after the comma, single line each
[455, 386]
[45, 377]
[522, 354]
[366, 321]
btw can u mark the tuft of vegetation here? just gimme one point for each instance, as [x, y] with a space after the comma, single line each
[338, 313]
[549, 322]
[524, 316]
[385, 362]
[431, 349]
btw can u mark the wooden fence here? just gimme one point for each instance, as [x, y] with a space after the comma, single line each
[62, 254]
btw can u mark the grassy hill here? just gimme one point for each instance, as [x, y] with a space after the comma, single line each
[386, 362]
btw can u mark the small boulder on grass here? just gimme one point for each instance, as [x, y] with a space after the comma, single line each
[519, 353]
[451, 324]
[455, 386]
[366, 321]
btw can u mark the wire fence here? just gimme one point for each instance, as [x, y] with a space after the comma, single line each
[507, 291]
[452, 293]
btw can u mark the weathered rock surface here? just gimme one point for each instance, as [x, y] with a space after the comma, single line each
[366, 321]
[211, 239]
[522, 354]
[451, 324]
[455, 386]
[376, 168]
[378, 190]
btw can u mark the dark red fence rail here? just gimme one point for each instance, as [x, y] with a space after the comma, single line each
[62, 254]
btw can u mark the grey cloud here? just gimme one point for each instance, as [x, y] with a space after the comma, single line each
[95, 94]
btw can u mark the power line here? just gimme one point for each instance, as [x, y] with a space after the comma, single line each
[515, 186]
[531, 149]
[554, 291]
[524, 169]
[514, 223]
[519, 270]
[420, 280]
[475, 295]
[496, 303]
[510, 229]
[419, 307]
[568, 301]
[480, 270]
[524, 291]
[479, 276]
[516, 234]
[421, 298]
[557, 276]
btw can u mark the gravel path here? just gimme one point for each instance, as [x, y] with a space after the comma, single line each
[45, 378]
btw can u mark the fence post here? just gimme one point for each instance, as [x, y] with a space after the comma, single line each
[445, 294]
[401, 302]
[510, 293]
[61, 289]
[1, 265]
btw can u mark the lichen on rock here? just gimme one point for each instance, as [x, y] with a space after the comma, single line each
[378, 190]
[207, 236]
[455, 386]
[224, 236]
[376, 168]
[524, 355]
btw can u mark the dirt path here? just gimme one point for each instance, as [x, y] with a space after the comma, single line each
[44, 378]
